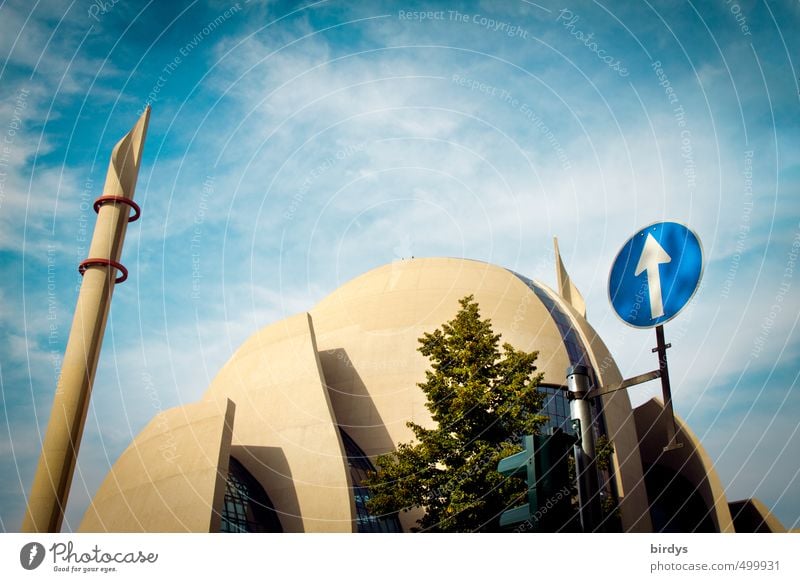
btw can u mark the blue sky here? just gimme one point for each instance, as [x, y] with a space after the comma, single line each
[293, 146]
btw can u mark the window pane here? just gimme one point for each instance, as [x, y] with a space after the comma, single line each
[246, 508]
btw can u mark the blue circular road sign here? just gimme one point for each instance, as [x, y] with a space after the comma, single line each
[655, 274]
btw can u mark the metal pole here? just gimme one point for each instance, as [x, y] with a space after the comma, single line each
[661, 349]
[585, 469]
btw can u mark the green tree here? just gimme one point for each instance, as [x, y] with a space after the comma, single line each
[482, 401]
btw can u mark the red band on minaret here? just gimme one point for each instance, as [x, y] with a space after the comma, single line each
[86, 263]
[137, 212]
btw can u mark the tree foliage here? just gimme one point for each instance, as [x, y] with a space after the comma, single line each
[482, 401]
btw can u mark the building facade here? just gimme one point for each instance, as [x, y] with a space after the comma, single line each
[288, 429]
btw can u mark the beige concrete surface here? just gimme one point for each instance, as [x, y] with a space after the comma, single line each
[286, 432]
[172, 477]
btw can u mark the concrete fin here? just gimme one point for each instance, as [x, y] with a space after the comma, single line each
[566, 288]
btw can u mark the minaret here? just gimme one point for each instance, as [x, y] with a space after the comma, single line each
[566, 288]
[101, 271]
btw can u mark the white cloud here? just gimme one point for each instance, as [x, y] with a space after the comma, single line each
[329, 157]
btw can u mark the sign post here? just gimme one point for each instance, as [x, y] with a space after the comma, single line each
[652, 279]
[661, 349]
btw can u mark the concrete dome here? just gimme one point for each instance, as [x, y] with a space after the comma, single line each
[351, 364]
[367, 332]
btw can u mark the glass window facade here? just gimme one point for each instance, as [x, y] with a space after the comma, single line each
[557, 403]
[572, 341]
[360, 465]
[247, 508]
[556, 407]
[576, 352]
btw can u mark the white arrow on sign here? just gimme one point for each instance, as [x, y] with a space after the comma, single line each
[652, 256]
